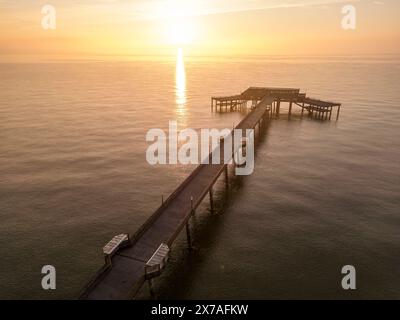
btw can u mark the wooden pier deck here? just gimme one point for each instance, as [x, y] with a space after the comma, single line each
[124, 272]
[317, 109]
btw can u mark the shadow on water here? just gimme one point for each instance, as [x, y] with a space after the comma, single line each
[177, 280]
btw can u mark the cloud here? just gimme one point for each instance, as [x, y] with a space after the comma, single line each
[154, 9]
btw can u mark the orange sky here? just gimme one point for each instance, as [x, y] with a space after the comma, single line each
[203, 27]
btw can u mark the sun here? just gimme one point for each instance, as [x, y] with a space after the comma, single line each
[180, 31]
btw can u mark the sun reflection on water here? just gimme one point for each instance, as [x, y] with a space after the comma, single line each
[180, 84]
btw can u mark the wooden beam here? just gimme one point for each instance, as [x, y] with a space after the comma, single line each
[211, 200]
[338, 112]
[188, 235]
[278, 107]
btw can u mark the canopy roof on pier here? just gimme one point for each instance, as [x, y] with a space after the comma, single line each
[229, 98]
[258, 93]
[320, 103]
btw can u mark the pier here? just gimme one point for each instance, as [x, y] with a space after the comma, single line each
[130, 260]
[315, 108]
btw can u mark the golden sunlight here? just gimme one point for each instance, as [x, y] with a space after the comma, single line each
[179, 31]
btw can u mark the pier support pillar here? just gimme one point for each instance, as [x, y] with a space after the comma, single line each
[266, 115]
[211, 200]
[273, 108]
[188, 235]
[151, 289]
[338, 112]
[278, 107]
[290, 108]
[226, 177]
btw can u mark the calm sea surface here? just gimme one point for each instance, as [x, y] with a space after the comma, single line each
[323, 194]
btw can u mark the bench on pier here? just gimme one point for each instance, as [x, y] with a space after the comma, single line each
[157, 262]
[115, 243]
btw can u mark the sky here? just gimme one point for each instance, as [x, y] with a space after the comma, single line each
[89, 28]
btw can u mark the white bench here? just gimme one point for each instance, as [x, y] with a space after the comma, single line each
[157, 261]
[110, 248]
